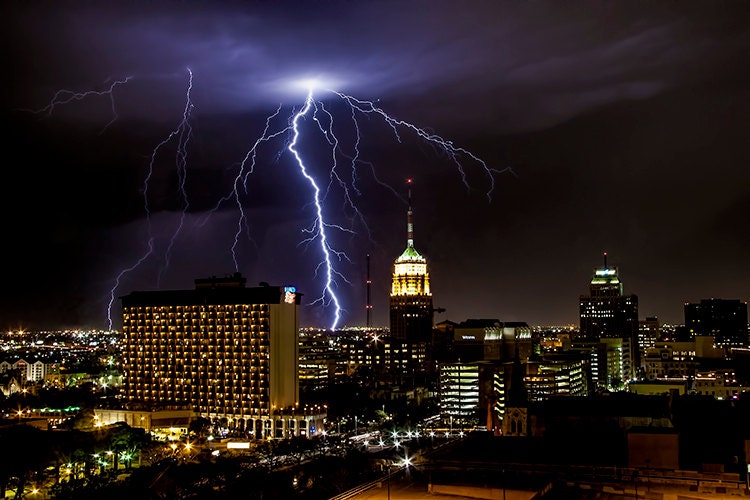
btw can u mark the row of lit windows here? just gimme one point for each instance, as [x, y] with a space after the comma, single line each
[156, 367]
[195, 348]
[196, 327]
[194, 352]
[244, 343]
[248, 379]
[202, 358]
[156, 371]
[249, 393]
[200, 387]
[196, 319]
[185, 309]
[418, 269]
[239, 382]
[256, 398]
[145, 326]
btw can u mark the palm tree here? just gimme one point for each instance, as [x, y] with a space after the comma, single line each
[126, 441]
[27, 450]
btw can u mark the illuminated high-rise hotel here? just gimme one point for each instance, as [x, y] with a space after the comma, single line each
[229, 352]
[411, 300]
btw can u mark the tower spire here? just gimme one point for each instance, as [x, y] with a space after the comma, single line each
[409, 224]
[411, 300]
[605, 260]
[369, 304]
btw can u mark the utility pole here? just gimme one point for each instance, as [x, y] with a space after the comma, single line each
[389, 480]
[503, 484]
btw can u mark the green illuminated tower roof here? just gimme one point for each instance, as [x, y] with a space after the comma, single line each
[606, 281]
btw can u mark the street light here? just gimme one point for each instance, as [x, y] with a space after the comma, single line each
[126, 457]
[404, 463]
[36, 490]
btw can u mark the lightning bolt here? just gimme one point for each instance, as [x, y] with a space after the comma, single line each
[181, 135]
[318, 229]
[65, 96]
[247, 167]
[455, 153]
[291, 134]
[290, 128]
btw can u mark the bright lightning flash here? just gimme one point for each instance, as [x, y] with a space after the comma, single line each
[319, 229]
[315, 110]
[292, 131]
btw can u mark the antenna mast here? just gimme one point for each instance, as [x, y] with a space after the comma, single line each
[409, 224]
[369, 304]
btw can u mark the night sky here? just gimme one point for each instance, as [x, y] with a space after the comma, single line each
[583, 127]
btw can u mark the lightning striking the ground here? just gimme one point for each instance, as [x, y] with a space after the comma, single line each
[318, 230]
[288, 132]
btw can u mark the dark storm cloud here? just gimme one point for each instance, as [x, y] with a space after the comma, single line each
[506, 64]
[625, 123]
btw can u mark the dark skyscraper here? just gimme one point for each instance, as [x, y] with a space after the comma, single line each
[607, 313]
[724, 320]
[411, 300]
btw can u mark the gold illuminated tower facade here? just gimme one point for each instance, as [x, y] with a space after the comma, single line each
[411, 310]
[227, 351]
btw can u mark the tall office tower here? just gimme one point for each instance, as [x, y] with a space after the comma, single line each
[316, 361]
[649, 331]
[411, 301]
[460, 394]
[724, 320]
[557, 374]
[607, 313]
[228, 351]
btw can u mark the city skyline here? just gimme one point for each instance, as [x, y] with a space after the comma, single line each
[615, 128]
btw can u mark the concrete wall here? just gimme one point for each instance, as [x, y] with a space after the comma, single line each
[479, 492]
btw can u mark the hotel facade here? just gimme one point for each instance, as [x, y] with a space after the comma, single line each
[228, 352]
